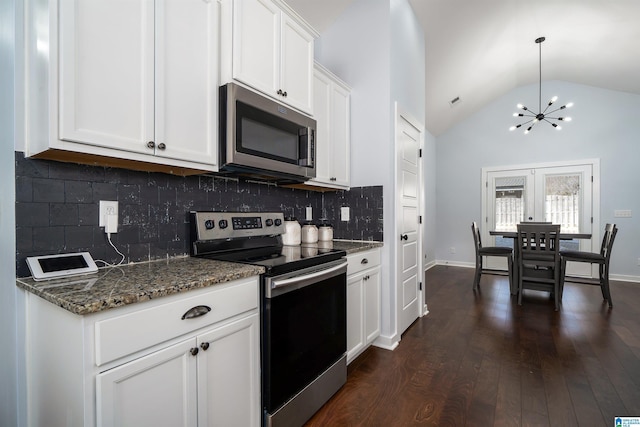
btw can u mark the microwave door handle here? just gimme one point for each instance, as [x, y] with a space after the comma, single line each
[311, 154]
[306, 141]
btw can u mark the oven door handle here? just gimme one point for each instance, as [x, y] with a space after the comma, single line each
[308, 279]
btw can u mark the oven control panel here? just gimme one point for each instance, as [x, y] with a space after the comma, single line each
[229, 225]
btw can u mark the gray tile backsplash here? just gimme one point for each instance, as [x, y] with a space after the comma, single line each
[57, 209]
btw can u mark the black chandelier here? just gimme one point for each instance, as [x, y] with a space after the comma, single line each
[541, 115]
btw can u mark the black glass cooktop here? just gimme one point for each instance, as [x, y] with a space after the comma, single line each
[281, 259]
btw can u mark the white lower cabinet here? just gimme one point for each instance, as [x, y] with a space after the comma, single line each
[363, 301]
[200, 371]
[155, 390]
[206, 381]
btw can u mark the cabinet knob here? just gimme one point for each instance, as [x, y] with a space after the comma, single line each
[333, 178]
[284, 93]
[404, 237]
[364, 261]
[204, 346]
[151, 144]
[161, 146]
[279, 92]
[194, 351]
[197, 311]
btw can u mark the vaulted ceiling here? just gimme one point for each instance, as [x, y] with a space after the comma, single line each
[480, 50]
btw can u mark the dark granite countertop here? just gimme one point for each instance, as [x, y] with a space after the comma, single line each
[353, 246]
[114, 287]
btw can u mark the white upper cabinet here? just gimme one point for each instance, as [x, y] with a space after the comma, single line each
[266, 46]
[332, 111]
[134, 80]
[106, 76]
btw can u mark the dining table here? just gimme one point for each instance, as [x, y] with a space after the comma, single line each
[514, 235]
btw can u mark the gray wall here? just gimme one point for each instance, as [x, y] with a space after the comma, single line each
[10, 370]
[377, 47]
[605, 126]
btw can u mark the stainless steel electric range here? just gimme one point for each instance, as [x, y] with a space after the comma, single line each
[303, 309]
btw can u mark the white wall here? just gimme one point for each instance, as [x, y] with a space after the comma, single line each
[9, 369]
[605, 126]
[377, 47]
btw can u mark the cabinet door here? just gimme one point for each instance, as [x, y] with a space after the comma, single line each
[296, 65]
[372, 305]
[106, 73]
[229, 375]
[355, 316]
[322, 114]
[256, 44]
[187, 80]
[340, 135]
[155, 390]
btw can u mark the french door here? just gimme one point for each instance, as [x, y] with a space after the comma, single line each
[558, 193]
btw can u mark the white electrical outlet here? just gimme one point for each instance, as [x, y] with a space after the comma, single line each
[107, 208]
[309, 213]
[344, 213]
[622, 213]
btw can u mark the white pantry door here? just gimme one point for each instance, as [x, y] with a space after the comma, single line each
[408, 140]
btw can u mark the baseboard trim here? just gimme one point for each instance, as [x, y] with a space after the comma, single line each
[619, 277]
[387, 343]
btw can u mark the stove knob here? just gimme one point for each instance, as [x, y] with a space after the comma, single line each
[223, 224]
[269, 222]
[278, 222]
[209, 224]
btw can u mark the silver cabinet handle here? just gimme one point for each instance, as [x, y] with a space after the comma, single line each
[197, 311]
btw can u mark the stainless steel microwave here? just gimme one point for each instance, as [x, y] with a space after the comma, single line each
[264, 139]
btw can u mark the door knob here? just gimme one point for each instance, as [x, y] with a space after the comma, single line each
[404, 237]
[151, 144]
[204, 346]
[161, 146]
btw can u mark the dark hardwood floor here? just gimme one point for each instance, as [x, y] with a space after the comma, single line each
[479, 359]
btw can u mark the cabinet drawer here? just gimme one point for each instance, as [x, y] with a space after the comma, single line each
[362, 261]
[123, 335]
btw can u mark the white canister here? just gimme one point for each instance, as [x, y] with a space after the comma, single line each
[291, 236]
[325, 233]
[309, 233]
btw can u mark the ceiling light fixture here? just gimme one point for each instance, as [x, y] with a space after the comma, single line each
[542, 115]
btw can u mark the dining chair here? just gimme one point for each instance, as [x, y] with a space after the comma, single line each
[602, 259]
[482, 251]
[539, 259]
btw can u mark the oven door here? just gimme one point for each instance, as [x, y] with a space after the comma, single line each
[304, 330]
